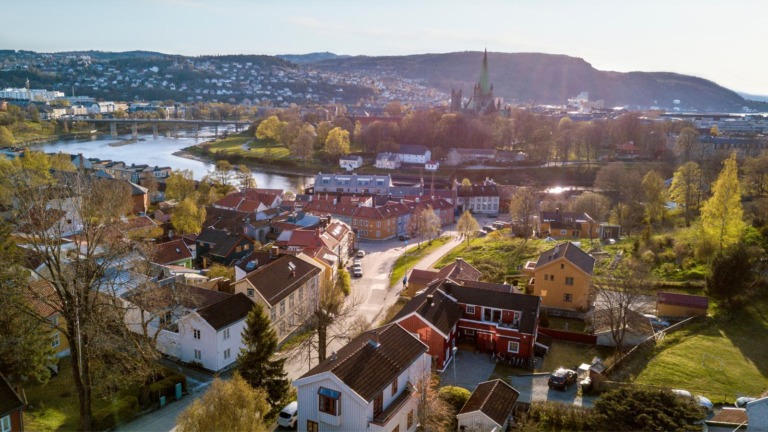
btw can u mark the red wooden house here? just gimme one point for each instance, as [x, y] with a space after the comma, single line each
[491, 316]
[11, 407]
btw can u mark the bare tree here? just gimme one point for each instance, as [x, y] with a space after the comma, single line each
[433, 412]
[467, 225]
[424, 223]
[523, 208]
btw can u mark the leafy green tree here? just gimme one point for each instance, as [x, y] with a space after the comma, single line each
[323, 128]
[222, 172]
[256, 360]
[337, 143]
[6, 137]
[467, 225]
[686, 189]
[344, 282]
[653, 191]
[230, 405]
[245, 177]
[626, 183]
[631, 409]
[455, 396]
[188, 217]
[523, 208]
[721, 215]
[732, 277]
[270, 129]
[179, 185]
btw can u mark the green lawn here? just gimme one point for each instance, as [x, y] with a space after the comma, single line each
[413, 256]
[719, 359]
[568, 324]
[497, 254]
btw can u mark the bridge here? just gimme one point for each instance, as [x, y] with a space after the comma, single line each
[175, 122]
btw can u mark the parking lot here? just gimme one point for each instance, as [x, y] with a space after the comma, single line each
[535, 388]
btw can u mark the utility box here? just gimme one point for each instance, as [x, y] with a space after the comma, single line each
[162, 401]
[178, 391]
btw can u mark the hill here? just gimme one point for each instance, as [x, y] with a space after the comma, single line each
[547, 79]
[311, 57]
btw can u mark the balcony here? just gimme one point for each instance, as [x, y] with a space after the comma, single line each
[393, 408]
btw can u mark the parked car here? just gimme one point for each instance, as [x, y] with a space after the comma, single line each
[357, 271]
[360, 253]
[489, 229]
[743, 401]
[656, 322]
[357, 262]
[701, 400]
[288, 415]
[404, 237]
[480, 233]
[562, 378]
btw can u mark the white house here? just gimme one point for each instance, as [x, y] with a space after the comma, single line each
[757, 413]
[414, 154]
[489, 408]
[371, 384]
[350, 163]
[479, 198]
[387, 160]
[432, 165]
[638, 327]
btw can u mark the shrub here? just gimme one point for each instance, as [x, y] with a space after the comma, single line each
[455, 396]
[119, 411]
[648, 257]
[667, 268]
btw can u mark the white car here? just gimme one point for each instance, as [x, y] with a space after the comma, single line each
[357, 271]
[360, 253]
[287, 417]
[701, 400]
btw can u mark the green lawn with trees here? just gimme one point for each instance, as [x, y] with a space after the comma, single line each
[412, 256]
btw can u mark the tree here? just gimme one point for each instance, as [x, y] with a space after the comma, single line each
[302, 143]
[256, 360]
[721, 215]
[432, 411]
[222, 172]
[270, 129]
[756, 175]
[337, 143]
[179, 185]
[188, 217]
[619, 298]
[685, 142]
[84, 285]
[230, 405]
[523, 208]
[323, 128]
[686, 189]
[465, 182]
[245, 177]
[594, 204]
[220, 270]
[6, 137]
[625, 183]
[732, 277]
[653, 191]
[633, 408]
[424, 223]
[467, 226]
[394, 109]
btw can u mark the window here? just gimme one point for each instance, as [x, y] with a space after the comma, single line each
[290, 301]
[198, 355]
[238, 249]
[568, 297]
[513, 347]
[226, 334]
[54, 320]
[246, 247]
[56, 340]
[394, 387]
[226, 354]
[471, 309]
[468, 332]
[410, 420]
[196, 333]
[492, 315]
[312, 426]
[563, 232]
[273, 314]
[546, 277]
[569, 281]
[378, 234]
[378, 404]
[301, 294]
[282, 307]
[562, 266]
[329, 401]
[5, 424]
[378, 224]
[250, 292]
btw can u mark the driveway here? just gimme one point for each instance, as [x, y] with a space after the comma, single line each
[471, 368]
[534, 388]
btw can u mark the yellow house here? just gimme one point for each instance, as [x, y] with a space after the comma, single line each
[43, 302]
[562, 277]
[564, 225]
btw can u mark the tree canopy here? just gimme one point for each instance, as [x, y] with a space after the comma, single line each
[721, 215]
[337, 143]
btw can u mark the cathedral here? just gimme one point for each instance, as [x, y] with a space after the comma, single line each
[482, 101]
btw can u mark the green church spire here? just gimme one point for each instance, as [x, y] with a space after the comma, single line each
[485, 84]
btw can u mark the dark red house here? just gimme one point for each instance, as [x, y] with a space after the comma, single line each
[491, 316]
[11, 407]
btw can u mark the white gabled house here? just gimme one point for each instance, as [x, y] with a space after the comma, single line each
[489, 408]
[350, 163]
[371, 384]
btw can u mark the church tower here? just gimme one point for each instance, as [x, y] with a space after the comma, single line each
[482, 97]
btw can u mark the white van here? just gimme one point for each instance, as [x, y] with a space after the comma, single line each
[287, 417]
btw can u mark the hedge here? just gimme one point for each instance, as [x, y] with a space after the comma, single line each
[167, 387]
[121, 410]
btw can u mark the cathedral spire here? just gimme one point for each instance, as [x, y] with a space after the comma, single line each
[484, 83]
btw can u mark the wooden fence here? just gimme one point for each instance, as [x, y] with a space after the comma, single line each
[569, 336]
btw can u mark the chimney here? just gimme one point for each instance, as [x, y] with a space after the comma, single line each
[333, 356]
[170, 233]
[274, 251]
[374, 340]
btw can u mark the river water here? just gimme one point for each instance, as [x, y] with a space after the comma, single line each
[160, 151]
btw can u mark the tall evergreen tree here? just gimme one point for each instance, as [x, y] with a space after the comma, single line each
[256, 363]
[721, 215]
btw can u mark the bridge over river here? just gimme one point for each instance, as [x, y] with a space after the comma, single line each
[196, 124]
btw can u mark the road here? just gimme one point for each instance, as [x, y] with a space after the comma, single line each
[375, 295]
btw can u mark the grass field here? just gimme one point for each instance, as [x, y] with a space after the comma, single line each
[721, 359]
[412, 257]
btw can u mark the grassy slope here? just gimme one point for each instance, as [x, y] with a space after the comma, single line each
[412, 257]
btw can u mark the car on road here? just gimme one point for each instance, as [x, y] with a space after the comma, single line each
[288, 415]
[404, 237]
[357, 271]
[562, 378]
[357, 262]
[360, 253]
[489, 229]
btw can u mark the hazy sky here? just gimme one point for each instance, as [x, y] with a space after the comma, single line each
[718, 40]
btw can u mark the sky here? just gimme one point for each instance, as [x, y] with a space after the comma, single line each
[717, 40]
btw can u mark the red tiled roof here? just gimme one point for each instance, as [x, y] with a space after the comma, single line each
[139, 223]
[685, 300]
[44, 299]
[171, 252]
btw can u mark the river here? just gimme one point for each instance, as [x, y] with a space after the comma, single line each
[160, 151]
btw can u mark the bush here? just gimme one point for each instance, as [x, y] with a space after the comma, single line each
[121, 410]
[455, 396]
[344, 283]
[667, 268]
[649, 257]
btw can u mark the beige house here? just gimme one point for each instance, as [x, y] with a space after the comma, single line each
[562, 277]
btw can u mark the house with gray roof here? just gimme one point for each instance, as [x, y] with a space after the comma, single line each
[414, 154]
[489, 408]
[353, 183]
[562, 277]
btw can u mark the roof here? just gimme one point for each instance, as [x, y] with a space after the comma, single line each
[496, 399]
[223, 242]
[436, 308]
[368, 368]
[44, 298]
[334, 181]
[227, 311]
[730, 416]
[458, 269]
[478, 190]
[139, 223]
[180, 294]
[412, 149]
[472, 151]
[171, 252]
[565, 217]
[636, 323]
[685, 300]
[9, 400]
[572, 253]
[278, 279]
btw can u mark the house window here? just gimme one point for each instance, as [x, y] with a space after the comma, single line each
[196, 333]
[471, 309]
[238, 249]
[301, 294]
[546, 277]
[273, 314]
[312, 426]
[394, 387]
[378, 224]
[56, 340]
[563, 232]
[468, 332]
[569, 281]
[492, 315]
[562, 266]
[5, 424]
[329, 401]
[226, 354]
[513, 347]
[290, 301]
[198, 355]
[568, 297]
[410, 420]
[282, 308]
[250, 292]
[378, 404]
[378, 234]
[54, 320]
[226, 334]
[246, 247]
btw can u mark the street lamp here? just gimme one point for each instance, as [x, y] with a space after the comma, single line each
[454, 364]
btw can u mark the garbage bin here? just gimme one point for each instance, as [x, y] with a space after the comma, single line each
[162, 401]
[178, 391]
[586, 385]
